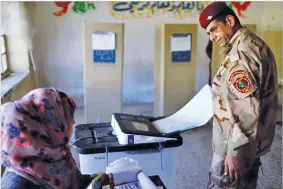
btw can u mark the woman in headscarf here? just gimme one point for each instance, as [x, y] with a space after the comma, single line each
[35, 134]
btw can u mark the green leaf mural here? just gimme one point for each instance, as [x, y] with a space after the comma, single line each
[77, 7]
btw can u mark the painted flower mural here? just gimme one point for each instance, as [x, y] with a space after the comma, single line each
[77, 7]
[146, 9]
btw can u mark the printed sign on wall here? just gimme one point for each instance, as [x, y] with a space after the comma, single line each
[103, 46]
[181, 47]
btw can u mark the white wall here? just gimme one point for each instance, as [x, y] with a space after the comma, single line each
[273, 16]
[58, 49]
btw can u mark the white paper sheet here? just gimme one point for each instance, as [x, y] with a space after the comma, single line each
[180, 43]
[145, 181]
[133, 185]
[195, 113]
[142, 182]
[103, 40]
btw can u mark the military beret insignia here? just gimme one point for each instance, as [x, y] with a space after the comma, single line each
[209, 17]
[241, 81]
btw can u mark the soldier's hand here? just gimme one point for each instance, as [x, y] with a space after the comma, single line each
[233, 167]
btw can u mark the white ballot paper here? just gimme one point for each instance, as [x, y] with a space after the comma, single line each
[143, 182]
[195, 113]
[128, 174]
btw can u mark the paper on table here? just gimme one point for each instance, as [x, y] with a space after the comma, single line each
[195, 113]
[132, 185]
[143, 182]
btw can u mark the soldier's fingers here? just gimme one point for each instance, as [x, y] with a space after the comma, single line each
[226, 169]
[240, 173]
[237, 175]
[111, 180]
[231, 173]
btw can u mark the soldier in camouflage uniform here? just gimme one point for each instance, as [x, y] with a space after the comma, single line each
[244, 100]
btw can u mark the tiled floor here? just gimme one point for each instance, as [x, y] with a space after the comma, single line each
[194, 155]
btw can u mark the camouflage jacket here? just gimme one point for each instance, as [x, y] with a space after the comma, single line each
[245, 98]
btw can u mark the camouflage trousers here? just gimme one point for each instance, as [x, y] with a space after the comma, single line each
[217, 180]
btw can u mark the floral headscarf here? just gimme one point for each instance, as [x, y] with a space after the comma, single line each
[35, 133]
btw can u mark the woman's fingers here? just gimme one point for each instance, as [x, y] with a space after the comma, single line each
[226, 169]
[111, 180]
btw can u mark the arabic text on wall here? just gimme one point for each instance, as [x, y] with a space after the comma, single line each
[179, 9]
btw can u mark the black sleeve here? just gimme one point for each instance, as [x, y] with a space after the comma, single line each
[84, 181]
[11, 180]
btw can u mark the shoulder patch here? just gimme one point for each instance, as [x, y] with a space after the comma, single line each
[241, 82]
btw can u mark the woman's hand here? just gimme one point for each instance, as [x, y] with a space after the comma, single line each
[104, 179]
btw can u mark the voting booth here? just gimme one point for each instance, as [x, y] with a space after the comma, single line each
[152, 141]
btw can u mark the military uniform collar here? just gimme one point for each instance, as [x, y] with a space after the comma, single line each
[234, 40]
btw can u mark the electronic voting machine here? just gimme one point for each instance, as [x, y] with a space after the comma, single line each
[134, 129]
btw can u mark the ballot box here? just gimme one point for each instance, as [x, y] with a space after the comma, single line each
[97, 146]
[152, 141]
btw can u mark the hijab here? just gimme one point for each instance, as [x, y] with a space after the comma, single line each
[35, 133]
